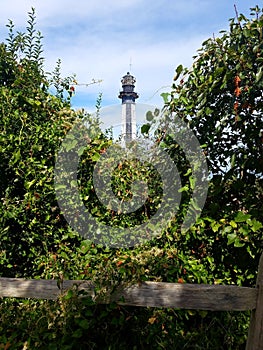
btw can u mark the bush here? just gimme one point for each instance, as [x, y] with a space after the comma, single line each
[222, 247]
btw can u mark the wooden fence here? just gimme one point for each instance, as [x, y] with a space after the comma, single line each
[160, 294]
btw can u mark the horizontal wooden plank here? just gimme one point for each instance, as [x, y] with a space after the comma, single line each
[148, 294]
[188, 296]
[39, 289]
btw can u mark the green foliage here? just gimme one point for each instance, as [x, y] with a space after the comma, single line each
[74, 324]
[222, 247]
[33, 123]
[220, 98]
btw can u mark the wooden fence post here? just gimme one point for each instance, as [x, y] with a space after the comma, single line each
[255, 334]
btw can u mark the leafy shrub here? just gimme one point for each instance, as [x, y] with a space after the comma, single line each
[222, 247]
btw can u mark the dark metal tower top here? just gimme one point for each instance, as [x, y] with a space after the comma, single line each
[128, 84]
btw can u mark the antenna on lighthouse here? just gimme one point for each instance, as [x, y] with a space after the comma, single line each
[130, 64]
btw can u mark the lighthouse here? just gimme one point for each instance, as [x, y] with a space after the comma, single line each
[128, 118]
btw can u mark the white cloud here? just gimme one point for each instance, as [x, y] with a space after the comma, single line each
[153, 65]
[96, 38]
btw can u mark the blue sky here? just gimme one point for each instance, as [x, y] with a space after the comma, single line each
[97, 39]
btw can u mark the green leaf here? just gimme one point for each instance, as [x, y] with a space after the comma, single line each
[189, 171]
[70, 145]
[227, 229]
[16, 156]
[184, 189]
[69, 294]
[192, 181]
[95, 157]
[259, 75]
[255, 225]
[233, 159]
[242, 217]
[60, 187]
[29, 184]
[81, 150]
[178, 71]
[165, 96]
[84, 324]
[238, 243]
[78, 333]
[215, 226]
[233, 224]
[145, 128]
[73, 183]
[156, 112]
[231, 237]
[149, 116]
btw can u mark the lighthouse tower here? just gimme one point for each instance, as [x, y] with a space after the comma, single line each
[128, 97]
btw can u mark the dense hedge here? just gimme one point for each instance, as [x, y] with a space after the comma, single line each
[222, 247]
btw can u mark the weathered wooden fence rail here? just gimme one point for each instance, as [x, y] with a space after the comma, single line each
[153, 294]
[160, 294]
